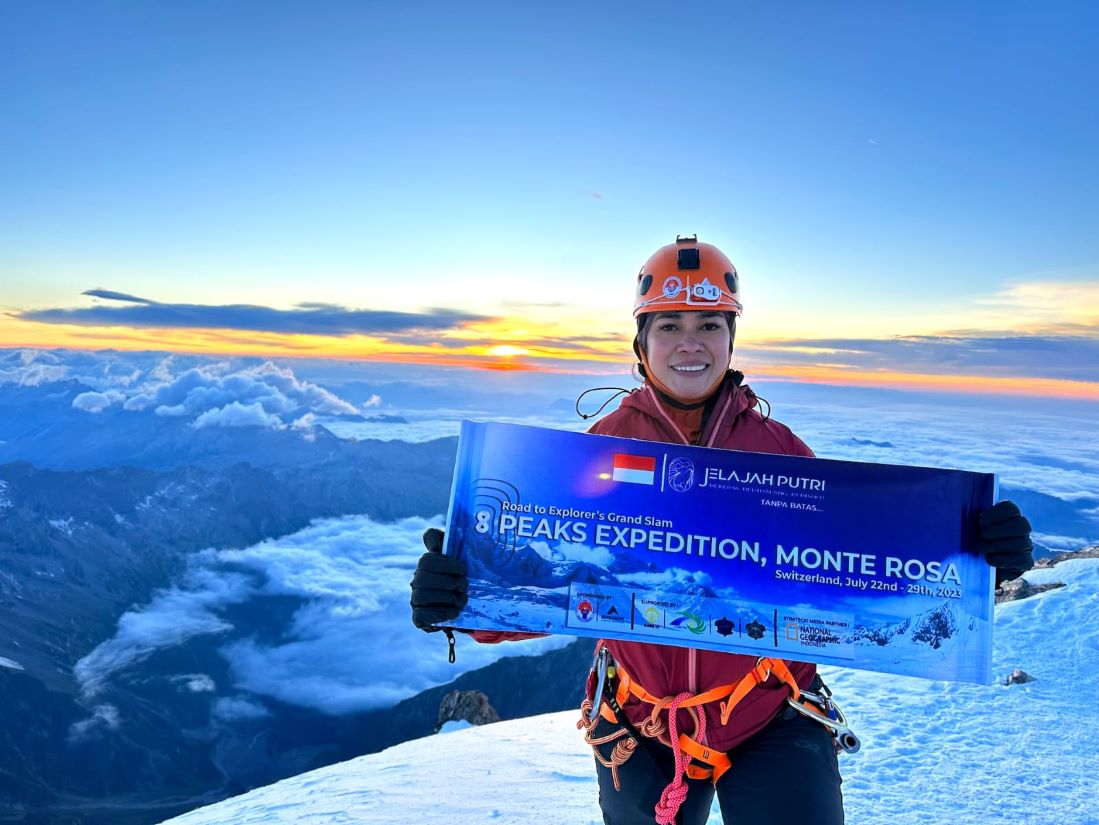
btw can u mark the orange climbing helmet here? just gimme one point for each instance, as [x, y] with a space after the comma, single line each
[687, 275]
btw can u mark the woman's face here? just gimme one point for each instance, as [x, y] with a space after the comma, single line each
[688, 351]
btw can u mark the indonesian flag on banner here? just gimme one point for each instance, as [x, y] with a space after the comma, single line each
[636, 469]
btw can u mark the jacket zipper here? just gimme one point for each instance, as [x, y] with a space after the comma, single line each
[716, 423]
[692, 653]
[668, 419]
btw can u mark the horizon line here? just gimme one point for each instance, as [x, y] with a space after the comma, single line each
[809, 374]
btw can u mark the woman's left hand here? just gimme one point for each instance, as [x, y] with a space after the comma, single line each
[1003, 538]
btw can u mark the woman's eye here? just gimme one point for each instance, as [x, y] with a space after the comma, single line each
[666, 327]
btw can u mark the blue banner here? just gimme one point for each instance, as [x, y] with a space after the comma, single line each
[843, 563]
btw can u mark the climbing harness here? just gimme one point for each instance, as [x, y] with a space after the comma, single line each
[693, 757]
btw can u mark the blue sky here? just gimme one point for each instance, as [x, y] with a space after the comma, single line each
[874, 171]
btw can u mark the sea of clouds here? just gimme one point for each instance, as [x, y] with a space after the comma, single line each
[351, 645]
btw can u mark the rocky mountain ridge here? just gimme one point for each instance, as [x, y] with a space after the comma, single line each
[79, 548]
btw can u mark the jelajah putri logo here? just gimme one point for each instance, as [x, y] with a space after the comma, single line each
[681, 474]
[723, 478]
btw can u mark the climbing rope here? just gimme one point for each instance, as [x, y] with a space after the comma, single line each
[673, 796]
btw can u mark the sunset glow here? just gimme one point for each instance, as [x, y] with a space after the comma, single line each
[469, 346]
[488, 204]
[983, 385]
[555, 352]
[507, 350]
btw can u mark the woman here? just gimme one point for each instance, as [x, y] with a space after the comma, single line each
[766, 761]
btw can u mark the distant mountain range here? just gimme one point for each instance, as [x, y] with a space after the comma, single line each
[79, 547]
[40, 425]
[100, 510]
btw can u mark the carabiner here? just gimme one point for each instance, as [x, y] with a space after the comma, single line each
[600, 668]
[837, 723]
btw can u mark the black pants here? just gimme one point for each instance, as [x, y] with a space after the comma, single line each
[784, 775]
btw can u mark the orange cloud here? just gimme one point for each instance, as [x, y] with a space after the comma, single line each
[837, 374]
[489, 344]
[549, 345]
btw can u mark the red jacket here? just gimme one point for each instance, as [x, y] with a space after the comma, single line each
[665, 670]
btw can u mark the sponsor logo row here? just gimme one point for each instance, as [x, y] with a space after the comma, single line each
[654, 617]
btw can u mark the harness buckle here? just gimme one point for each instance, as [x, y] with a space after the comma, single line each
[766, 673]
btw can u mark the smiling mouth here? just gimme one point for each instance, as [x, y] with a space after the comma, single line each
[692, 368]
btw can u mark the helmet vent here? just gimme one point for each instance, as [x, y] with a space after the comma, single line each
[688, 259]
[731, 282]
[646, 282]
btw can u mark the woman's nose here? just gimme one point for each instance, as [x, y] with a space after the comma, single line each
[690, 342]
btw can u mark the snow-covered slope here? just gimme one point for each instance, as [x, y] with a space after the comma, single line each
[933, 752]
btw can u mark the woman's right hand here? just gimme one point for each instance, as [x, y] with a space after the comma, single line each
[439, 585]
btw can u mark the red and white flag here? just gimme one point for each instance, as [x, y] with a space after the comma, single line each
[636, 469]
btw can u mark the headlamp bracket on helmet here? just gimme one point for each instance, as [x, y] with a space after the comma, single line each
[689, 258]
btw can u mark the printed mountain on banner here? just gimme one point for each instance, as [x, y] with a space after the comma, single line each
[932, 628]
[550, 573]
[527, 586]
[522, 565]
[539, 564]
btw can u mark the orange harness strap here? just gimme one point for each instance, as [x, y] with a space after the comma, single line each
[718, 761]
[733, 694]
[763, 670]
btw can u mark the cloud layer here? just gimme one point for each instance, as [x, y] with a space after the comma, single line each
[351, 645]
[219, 396]
[304, 319]
[1072, 356]
[209, 392]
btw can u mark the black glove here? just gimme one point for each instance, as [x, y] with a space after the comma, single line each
[1003, 538]
[439, 585]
